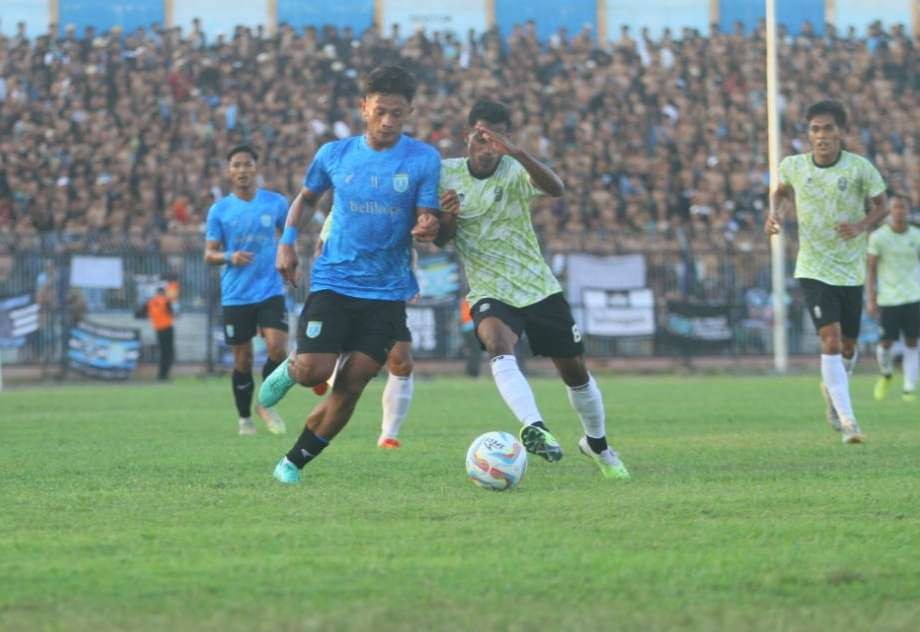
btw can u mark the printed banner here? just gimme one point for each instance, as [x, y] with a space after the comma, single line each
[103, 351]
[18, 319]
[98, 272]
[585, 272]
[619, 312]
[699, 322]
[438, 278]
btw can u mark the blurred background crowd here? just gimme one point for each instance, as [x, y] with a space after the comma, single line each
[107, 136]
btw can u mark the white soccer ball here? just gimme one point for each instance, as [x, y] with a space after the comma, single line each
[496, 461]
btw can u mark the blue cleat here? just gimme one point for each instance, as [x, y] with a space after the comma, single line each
[276, 385]
[286, 472]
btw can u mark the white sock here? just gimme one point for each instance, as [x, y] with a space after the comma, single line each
[515, 390]
[885, 360]
[838, 384]
[397, 396]
[850, 363]
[589, 404]
[911, 362]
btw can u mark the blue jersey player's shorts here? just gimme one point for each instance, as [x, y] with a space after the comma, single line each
[241, 322]
[335, 323]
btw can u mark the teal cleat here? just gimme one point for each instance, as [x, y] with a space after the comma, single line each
[541, 442]
[286, 472]
[276, 385]
[608, 461]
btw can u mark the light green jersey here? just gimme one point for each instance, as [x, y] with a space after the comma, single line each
[495, 238]
[327, 227]
[898, 264]
[824, 198]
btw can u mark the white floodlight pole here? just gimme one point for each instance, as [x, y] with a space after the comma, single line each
[777, 242]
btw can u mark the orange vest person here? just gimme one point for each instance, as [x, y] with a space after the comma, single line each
[160, 312]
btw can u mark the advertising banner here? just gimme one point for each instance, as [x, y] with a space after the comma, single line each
[103, 351]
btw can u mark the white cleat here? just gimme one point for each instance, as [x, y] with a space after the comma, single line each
[272, 419]
[247, 428]
[851, 431]
[830, 412]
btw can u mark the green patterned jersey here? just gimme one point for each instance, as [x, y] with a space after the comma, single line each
[824, 198]
[327, 226]
[898, 264]
[495, 237]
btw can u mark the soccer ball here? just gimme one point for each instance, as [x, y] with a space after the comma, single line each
[496, 461]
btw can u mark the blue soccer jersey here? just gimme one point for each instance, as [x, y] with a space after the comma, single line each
[250, 226]
[367, 253]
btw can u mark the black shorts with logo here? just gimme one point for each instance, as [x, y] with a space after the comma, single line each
[549, 325]
[829, 304]
[898, 319]
[242, 321]
[334, 323]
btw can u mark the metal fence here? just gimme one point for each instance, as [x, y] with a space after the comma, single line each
[734, 277]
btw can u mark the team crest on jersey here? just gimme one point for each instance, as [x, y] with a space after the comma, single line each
[314, 327]
[499, 194]
[266, 220]
[460, 196]
[401, 182]
[842, 184]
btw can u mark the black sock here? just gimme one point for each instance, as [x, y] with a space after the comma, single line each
[307, 448]
[540, 424]
[270, 365]
[597, 445]
[242, 393]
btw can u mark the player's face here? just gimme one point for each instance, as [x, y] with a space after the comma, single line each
[898, 211]
[482, 154]
[242, 170]
[825, 137]
[384, 115]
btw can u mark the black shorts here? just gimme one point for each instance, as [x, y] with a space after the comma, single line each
[549, 325]
[898, 319]
[242, 321]
[403, 334]
[335, 323]
[829, 304]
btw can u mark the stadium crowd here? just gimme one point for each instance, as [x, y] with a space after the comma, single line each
[114, 134]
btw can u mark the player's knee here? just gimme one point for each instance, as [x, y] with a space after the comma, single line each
[401, 366]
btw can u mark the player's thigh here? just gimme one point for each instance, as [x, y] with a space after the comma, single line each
[354, 374]
[240, 323]
[822, 301]
[498, 325]
[551, 329]
[376, 325]
[910, 320]
[325, 322]
[242, 356]
[851, 306]
[890, 323]
[272, 316]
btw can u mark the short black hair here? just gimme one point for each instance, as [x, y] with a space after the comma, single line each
[242, 149]
[491, 112]
[834, 108]
[390, 80]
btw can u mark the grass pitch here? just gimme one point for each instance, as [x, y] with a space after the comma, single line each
[139, 508]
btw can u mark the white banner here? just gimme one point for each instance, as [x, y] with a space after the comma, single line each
[583, 272]
[424, 327]
[100, 272]
[619, 313]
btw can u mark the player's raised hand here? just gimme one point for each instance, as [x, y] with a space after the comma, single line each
[426, 227]
[241, 258]
[849, 231]
[772, 225]
[499, 143]
[450, 202]
[286, 263]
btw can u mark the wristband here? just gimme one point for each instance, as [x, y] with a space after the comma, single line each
[228, 258]
[289, 236]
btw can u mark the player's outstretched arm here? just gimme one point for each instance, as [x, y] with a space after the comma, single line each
[779, 197]
[542, 176]
[286, 260]
[450, 207]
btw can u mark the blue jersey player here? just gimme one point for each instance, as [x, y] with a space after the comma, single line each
[242, 235]
[385, 192]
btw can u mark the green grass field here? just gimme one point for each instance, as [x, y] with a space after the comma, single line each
[139, 508]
